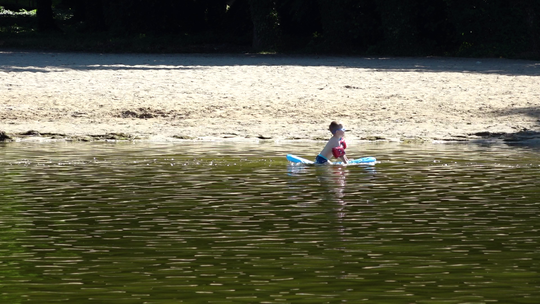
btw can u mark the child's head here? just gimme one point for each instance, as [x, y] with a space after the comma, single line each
[336, 127]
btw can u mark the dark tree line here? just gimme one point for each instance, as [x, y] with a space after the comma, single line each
[400, 27]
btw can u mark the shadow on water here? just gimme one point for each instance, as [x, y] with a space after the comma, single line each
[44, 62]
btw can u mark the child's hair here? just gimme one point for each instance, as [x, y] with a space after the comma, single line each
[334, 126]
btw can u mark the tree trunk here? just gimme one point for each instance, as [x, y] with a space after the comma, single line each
[531, 10]
[45, 16]
[265, 24]
[335, 30]
[94, 17]
[534, 32]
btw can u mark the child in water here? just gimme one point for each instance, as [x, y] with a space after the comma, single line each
[335, 147]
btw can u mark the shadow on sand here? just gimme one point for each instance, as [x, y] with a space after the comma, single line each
[44, 62]
[522, 137]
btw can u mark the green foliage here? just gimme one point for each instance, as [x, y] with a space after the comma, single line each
[22, 12]
[13, 22]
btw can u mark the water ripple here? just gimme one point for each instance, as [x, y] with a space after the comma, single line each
[139, 224]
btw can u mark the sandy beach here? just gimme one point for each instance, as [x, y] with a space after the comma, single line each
[266, 97]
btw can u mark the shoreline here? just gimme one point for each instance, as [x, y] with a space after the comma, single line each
[526, 137]
[88, 97]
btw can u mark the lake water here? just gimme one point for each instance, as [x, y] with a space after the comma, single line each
[203, 222]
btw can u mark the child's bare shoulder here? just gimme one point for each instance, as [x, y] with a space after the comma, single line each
[333, 141]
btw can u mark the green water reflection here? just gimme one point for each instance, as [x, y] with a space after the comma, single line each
[220, 223]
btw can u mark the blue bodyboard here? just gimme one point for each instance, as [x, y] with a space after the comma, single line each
[299, 160]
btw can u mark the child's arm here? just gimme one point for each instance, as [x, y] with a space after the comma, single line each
[339, 153]
[343, 144]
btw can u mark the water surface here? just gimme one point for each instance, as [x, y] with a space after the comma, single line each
[235, 223]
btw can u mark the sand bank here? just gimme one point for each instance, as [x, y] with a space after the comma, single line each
[164, 97]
